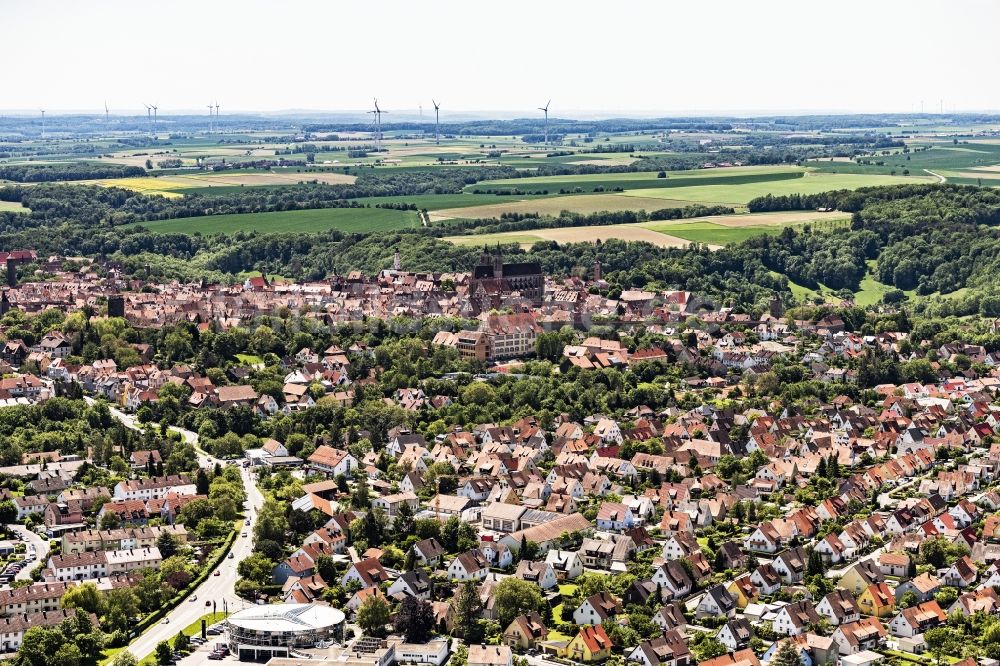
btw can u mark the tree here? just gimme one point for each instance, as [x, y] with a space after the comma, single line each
[85, 596]
[786, 655]
[167, 544]
[361, 497]
[815, 566]
[164, 655]
[467, 608]
[125, 658]
[403, 523]
[373, 615]
[939, 640]
[181, 642]
[513, 597]
[8, 512]
[415, 620]
[325, 568]
[202, 482]
[256, 567]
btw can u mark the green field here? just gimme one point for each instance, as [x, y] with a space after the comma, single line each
[12, 207]
[711, 233]
[350, 220]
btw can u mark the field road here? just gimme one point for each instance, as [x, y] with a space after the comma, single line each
[219, 589]
[941, 179]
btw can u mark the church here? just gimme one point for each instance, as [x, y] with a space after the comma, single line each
[492, 277]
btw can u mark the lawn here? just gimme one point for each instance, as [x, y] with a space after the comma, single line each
[194, 628]
[249, 359]
[350, 220]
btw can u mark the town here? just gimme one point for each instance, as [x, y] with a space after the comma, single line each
[370, 470]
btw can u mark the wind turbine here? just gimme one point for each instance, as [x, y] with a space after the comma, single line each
[154, 117]
[216, 109]
[546, 110]
[43, 122]
[211, 124]
[149, 118]
[437, 120]
[378, 126]
[105, 112]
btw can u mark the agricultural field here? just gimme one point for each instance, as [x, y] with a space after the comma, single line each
[714, 231]
[554, 205]
[349, 220]
[951, 160]
[739, 194]
[181, 184]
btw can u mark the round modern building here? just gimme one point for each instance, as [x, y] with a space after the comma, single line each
[262, 632]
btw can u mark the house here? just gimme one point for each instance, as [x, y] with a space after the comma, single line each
[877, 599]
[412, 584]
[860, 576]
[715, 602]
[525, 631]
[391, 504]
[368, 572]
[791, 564]
[502, 517]
[671, 616]
[766, 579]
[670, 649]
[490, 655]
[839, 607]
[596, 608]
[917, 619]
[470, 565]
[429, 552]
[735, 634]
[539, 573]
[741, 658]
[865, 634]
[615, 517]
[924, 586]
[332, 462]
[962, 573]
[795, 618]
[672, 578]
[590, 644]
[894, 564]
[567, 564]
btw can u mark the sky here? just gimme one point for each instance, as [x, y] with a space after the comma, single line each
[590, 57]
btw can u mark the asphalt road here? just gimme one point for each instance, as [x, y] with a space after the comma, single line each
[220, 589]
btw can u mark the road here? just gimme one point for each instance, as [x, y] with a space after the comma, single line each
[219, 588]
[129, 421]
[41, 545]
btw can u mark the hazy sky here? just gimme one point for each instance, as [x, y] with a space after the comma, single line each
[512, 55]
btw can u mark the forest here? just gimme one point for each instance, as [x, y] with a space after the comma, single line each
[47, 173]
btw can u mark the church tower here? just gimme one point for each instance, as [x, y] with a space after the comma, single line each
[598, 273]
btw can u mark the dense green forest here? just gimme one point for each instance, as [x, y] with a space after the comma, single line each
[47, 173]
